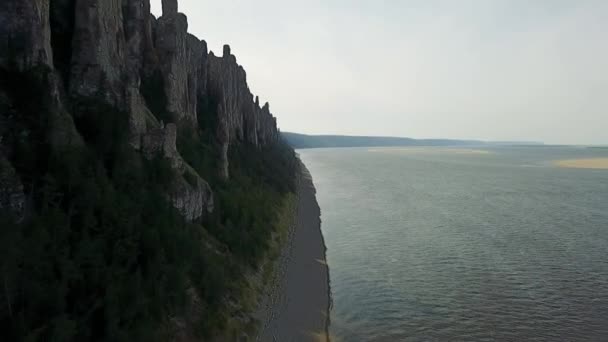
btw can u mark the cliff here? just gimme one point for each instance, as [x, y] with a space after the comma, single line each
[141, 182]
[107, 50]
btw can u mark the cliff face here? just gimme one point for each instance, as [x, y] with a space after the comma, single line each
[240, 118]
[182, 63]
[119, 217]
[103, 50]
[25, 34]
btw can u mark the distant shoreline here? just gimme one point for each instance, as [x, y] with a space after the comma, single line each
[302, 141]
[300, 301]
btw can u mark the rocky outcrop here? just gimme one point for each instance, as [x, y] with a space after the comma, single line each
[191, 194]
[162, 141]
[105, 49]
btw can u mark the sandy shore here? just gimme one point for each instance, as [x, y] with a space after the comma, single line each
[296, 307]
[591, 163]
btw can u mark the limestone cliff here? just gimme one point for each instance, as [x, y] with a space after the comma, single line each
[104, 50]
[240, 118]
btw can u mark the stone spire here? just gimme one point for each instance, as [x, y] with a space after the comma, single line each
[169, 7]
[227, 52]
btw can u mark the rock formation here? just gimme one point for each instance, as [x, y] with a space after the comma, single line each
[182, 61]
[104, 50]
[240, 118]
[25, 35]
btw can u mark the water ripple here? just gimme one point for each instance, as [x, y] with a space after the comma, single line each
[463, 247]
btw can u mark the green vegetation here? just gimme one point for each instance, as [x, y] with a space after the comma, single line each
[284, 222]
[102, 255]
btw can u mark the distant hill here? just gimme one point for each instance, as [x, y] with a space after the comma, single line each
[314, 141]
[297, 140]
[516, 143]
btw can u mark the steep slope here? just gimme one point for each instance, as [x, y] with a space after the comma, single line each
[140, 181]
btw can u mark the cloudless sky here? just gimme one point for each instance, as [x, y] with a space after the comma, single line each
[470, 69]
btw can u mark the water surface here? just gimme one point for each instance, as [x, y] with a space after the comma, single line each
[481, 245]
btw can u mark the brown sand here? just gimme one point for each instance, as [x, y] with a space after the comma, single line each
[591, 163]
[297, 307]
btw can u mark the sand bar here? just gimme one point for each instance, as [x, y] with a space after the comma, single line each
[590, 163]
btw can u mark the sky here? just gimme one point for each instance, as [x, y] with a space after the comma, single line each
[501, 70]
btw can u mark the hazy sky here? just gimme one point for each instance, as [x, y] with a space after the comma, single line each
[479, 69]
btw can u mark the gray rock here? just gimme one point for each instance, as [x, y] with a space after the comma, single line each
[169, 7]
[162, 141]
[182, 59]
[25, 35]
[99, 51]
[190, 194]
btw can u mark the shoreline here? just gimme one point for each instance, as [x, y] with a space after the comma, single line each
[329, 298]
[297, 303]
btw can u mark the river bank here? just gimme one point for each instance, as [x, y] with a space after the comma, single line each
[296, 307]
